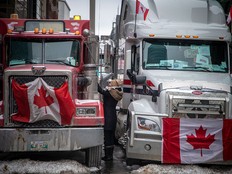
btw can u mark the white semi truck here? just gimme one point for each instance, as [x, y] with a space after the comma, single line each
[177, 65]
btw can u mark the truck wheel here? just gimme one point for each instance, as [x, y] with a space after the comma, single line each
[93, 156]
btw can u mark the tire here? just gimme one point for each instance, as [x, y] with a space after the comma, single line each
[93, 156]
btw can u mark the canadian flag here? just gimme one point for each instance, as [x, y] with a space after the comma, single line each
[229, 16]
[141, 9]
[191, 141]
[37, 100]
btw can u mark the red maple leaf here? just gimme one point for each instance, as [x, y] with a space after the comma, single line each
[200, 141]
[42, 100]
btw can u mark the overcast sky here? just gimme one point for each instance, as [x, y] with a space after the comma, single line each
[108, 10]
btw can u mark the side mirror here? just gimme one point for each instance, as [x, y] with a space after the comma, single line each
[136, 79]
[140, 80]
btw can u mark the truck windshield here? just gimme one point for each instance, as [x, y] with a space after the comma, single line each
[40, 51]
[191, 55]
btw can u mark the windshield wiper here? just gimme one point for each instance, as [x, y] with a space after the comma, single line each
[59, 61]
[161, 66]
[197, 68]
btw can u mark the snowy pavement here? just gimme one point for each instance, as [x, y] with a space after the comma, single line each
[27, 166]
[182, 169]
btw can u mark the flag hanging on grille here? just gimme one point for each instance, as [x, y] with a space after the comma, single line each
[141, 9]
[191, 141]
[37, 101]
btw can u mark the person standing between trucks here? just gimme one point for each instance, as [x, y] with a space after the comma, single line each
[111, 95]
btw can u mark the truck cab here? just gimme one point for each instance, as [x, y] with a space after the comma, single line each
[49, 99]
[177, 65]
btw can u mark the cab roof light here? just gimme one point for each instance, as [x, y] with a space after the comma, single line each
[178, 36]
[187, 36]
[44, 31]
[151, 35]
[77, 17]
[36, 30]
[221, 38]
[14, 16]
[50, 31]
[195, 37]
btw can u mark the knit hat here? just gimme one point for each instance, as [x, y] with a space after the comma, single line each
[114, 83]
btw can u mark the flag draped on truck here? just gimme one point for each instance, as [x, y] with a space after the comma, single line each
[37, 101]
[190, 141]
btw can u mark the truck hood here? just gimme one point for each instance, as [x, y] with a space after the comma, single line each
[186, 79]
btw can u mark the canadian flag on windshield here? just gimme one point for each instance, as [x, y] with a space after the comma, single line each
[37, 100]
[191, 141]
[229, 18]
[141, 9]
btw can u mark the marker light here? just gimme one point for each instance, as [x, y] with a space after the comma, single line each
[221, 38]
[179, 36]
[9, 31]
[76, 17]
[44, 31]
[51, 31]
[187, 36]
[36, 30]
[151, 35]
[14, 16]
[77, 32]
[195, 37]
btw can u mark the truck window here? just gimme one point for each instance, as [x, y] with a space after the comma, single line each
[38, 51]
[185, 55]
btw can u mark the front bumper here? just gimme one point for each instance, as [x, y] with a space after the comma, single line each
[49, 139]
[139, 150]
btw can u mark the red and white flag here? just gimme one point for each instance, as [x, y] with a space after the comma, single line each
[141, 9]
[191, 141]
[37, 100]
[229, 18]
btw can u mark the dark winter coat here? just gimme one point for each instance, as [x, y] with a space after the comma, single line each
[109, 104]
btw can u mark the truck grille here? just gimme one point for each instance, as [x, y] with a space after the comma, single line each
[193, 107]
[55, 81]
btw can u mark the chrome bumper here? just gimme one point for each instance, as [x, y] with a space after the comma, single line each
[45, 139]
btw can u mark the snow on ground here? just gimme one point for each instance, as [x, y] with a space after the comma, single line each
[182, 169]
[26, 166]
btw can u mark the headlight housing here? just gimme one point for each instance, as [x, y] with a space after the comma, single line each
[86, 111]
[147, 124]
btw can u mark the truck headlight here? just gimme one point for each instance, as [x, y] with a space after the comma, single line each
[147, 124]
[87, 111]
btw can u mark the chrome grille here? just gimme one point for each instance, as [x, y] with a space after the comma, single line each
[38, 124]
[54, 81]
[193, 107]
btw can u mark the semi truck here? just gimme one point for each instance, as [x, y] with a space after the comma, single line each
[49, 98]
[176, 65]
